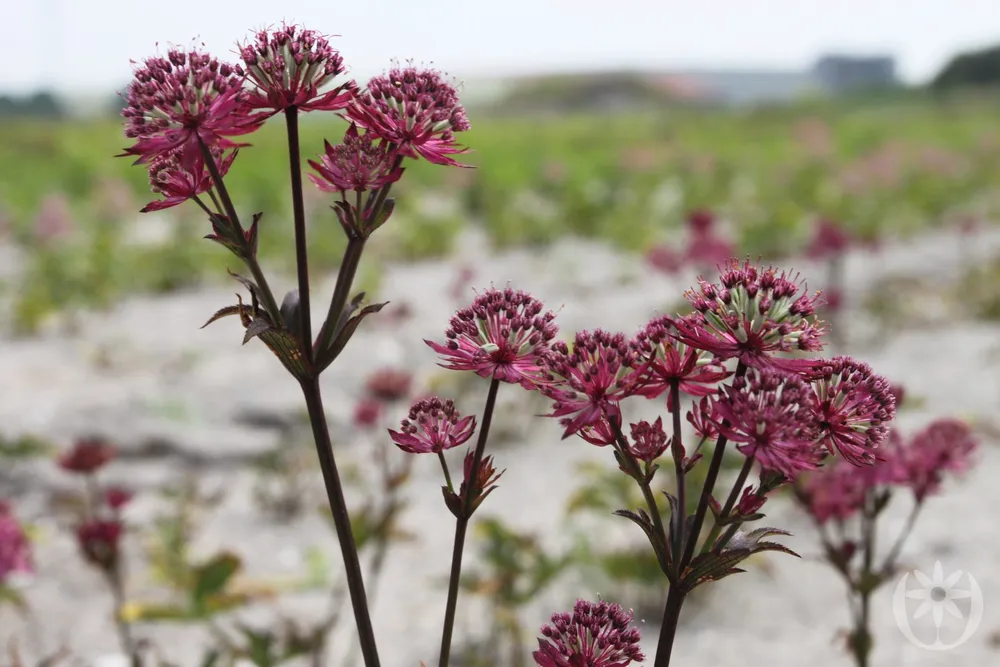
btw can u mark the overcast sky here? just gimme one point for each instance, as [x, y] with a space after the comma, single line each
[85, 45]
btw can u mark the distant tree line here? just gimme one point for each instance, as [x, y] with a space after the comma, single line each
[971, 69]
[39, 105]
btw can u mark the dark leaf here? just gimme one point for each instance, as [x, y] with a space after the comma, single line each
[712, 567]
[345, 333]
[257, 327]
[251, 236]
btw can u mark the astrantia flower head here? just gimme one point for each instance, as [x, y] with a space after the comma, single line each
[669, 360]
[945, 446]
[98, 541]
[502, 335]
[770, 413]
[589, 381]
[595, 635]
[174, 103]
[433, 426]
[389, 384]
[86, 456]
[750, 315]
[290, 66]
[179, 183]
[649, 441]
[854, 406]
[415, 109]
[837, 492]
[358, 164]
[701, 221]
[15, 550]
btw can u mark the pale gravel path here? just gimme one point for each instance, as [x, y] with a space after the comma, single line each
[161, 364]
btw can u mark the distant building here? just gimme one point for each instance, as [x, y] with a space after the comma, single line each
[840, 74]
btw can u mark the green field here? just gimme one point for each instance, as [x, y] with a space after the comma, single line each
[891, 168]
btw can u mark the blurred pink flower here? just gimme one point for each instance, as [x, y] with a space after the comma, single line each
[86, 456]
[99, 542]
[54, 219]
[15, 550]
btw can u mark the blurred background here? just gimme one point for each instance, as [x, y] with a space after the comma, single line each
[620, 149]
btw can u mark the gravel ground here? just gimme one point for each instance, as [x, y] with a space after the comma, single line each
[180, 400]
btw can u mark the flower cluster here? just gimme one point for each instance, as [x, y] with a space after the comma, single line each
[433, 426]
[597, 634]
[357, 164]
[669, 361]
[589, 380]
[504, 334]
[751, 314]
[289, 67]
[414, 109]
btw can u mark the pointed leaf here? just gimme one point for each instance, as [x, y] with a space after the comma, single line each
[222, 312]
[712, 566]
[257, 327]
[345, 334]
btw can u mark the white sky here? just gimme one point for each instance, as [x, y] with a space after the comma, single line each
[85, 45]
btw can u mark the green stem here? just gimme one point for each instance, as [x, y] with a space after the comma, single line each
[341, 520]
[299, 217]
[462, 524]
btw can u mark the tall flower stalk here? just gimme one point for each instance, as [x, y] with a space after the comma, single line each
[182, 110]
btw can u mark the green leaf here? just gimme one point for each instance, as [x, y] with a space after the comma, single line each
[211, 578]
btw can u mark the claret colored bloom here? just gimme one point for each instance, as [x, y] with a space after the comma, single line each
[502, 335]
[649, 441]
[588, 382]
[854, 406]
[946, 445]
[358, 164]
[770, 413]
[433, 426]
[15, 550]
[99, 542]
[187, 98]
[414, 109]
[87, 456]
[169, 177]
[749, 316]
[290, 66]
[829, 240]
[696, 372]
[597, 634]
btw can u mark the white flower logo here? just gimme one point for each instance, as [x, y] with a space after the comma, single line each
[937, 596]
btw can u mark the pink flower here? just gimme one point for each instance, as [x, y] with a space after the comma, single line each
[367, 413]
[770, 413]
[708, 250]
[751, 315]
[502, 335]
[87, 456]
[696, 372]
[174, 103]
[946, 445]
[289, 67]
[700, 418]
[665, 259]
[597, 634]
[357, 164]
[701, 221]
[54, 220]
[99, 542]
[837, 492]
[829, 240]
[432, 427]
[649, 441]
[389, 384]
[169, 177]
[116, 498]
[599, 433]
[854, 406]
[416, 110]
[15, 550]
[590, 381]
